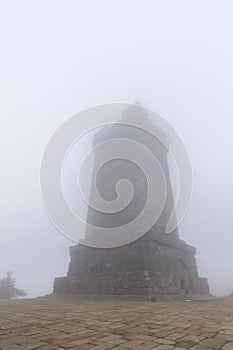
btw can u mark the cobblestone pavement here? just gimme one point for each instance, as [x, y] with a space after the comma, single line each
[52, 324]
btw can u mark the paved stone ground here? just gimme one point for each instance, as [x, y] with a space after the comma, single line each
[70, 324]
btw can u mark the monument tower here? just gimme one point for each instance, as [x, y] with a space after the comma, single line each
[155, 264]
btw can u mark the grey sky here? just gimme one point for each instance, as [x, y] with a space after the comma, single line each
[60, 57]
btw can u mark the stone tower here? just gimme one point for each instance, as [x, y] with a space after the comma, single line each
[155, 264]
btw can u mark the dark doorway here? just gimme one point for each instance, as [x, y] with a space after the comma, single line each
[182, 284]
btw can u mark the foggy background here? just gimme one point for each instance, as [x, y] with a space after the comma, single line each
[59, 57]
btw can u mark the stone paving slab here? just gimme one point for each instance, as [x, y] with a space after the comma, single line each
[72, 323]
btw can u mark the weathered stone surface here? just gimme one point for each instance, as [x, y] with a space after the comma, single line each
[74, 323]
[144, 267]
[228, 346]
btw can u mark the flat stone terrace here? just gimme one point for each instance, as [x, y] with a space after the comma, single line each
[73, 323]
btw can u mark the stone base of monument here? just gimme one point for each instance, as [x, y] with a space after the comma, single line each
[160, 268]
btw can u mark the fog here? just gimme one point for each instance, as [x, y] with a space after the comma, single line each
[60, 57]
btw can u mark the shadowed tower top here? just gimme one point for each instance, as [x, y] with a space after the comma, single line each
[118, 169]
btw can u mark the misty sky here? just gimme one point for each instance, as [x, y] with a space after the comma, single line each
[59, 57]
